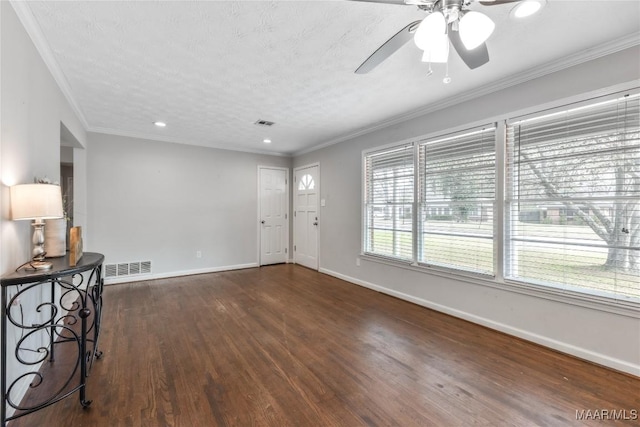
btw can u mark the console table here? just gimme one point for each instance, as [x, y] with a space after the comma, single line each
[67, 303]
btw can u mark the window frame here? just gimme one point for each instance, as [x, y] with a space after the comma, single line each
[421, 198]
[583, 104]
[608, 302]
[364, 213]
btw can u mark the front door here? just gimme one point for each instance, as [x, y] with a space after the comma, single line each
[306, 221]
[274, 222]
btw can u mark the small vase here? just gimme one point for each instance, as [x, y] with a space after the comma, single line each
[55, 237]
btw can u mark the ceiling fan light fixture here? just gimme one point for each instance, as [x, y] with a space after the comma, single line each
[475, 29]
[437, 51]
[527, 8]
[432, 26]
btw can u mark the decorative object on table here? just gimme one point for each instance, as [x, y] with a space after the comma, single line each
[55, 237]
[36, 202]
[75, 245]
[56, 231]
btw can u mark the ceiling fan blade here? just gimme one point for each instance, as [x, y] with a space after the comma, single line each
[388, 48]
[496, 2]
[473, 58]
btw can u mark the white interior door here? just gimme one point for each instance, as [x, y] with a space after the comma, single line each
[274, 222]
[306, 221]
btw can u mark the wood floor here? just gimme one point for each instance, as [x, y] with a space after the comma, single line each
[287, 346]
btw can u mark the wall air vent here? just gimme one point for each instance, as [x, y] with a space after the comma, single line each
[127, 269]
[134, 268]
[110, 270]
[264, 123]
[123, 269]
[145, 267]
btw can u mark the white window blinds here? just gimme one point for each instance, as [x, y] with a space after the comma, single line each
[457, 201]
[573, 198]
[389, 189]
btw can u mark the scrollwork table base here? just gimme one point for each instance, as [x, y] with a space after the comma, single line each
[42, 311]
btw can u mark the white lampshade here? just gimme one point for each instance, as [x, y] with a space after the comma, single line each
[431, 26]
[437, 50]
[36, 201]
[475, 29]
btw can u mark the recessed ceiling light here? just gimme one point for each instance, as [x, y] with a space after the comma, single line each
[527, 8]
[160, 124]
[266, 141]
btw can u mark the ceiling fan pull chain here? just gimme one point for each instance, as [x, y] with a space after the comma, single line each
[446, 79]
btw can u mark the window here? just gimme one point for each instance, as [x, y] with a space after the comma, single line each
[569, 213]
[573, 198]
[306, 183]
[389, 182]
[457, 181]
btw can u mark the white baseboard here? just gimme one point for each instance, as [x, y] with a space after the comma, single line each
[143, 277]
[563, 347]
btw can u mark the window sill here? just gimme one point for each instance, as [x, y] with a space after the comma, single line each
[626, 307]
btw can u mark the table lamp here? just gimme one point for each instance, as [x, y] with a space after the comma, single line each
[37, 202]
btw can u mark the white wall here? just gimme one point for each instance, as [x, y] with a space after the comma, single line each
[591, 333]
[162, 202]
[31, 108]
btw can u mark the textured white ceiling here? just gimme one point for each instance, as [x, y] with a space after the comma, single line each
[210, 69]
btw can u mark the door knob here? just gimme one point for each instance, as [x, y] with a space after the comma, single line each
[315, 223]
[262, 222]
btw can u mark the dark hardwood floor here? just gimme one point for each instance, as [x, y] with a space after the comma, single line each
[287, 346]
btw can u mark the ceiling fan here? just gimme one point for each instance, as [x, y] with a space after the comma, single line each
[447, 22]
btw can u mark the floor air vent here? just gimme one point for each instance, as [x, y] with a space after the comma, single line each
[127, 269]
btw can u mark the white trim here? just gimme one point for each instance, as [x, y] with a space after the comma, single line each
[418, 139]
[498, 207]
[144, 277]
[578, 298]
[563, 347]
[40, 42]
[395, 146]
[363, 203]
[614, 46]
[152, 137]
[446, 136]
[288, 222]
[258, 223]
[590, 100]
[575, 99]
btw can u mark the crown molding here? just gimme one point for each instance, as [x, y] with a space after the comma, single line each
[596, 52]
[33, 30]
[172, 140]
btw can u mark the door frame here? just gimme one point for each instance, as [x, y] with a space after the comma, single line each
[287, 191]
[294, 188]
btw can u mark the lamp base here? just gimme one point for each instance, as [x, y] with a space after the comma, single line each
[39, 265]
